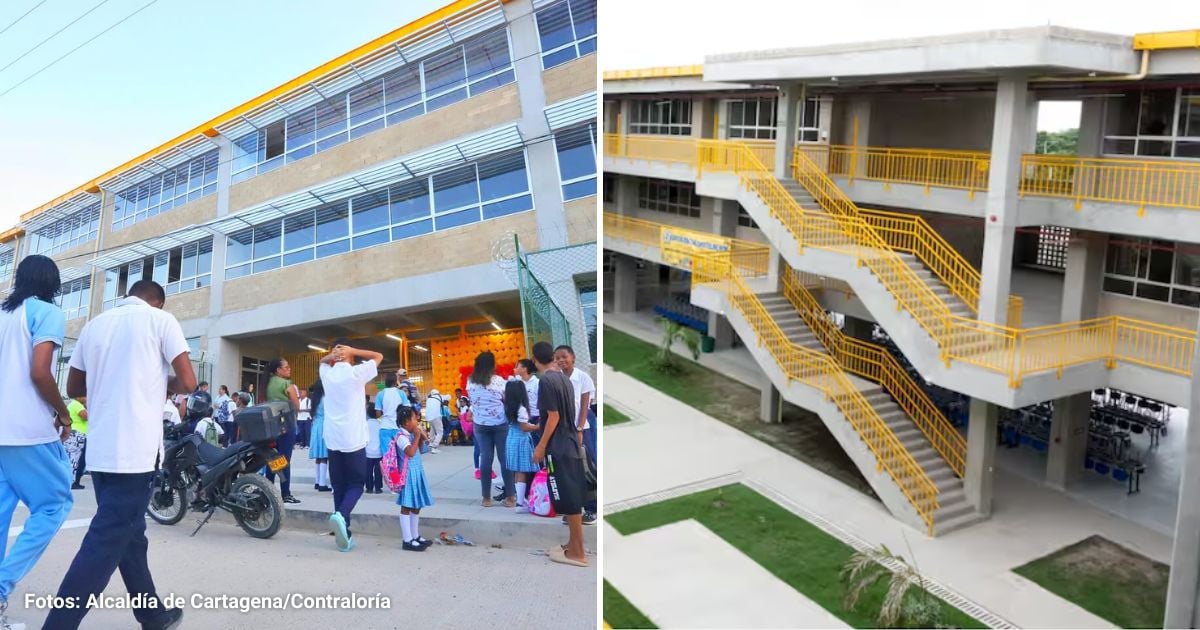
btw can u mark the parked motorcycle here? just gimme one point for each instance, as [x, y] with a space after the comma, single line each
[227, 478]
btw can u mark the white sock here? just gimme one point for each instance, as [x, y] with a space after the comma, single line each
[520, 493]
[406, 527]
[413, 519]
[322, 473]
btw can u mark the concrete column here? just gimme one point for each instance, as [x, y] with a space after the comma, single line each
[860, 110]
[547, 192]
[770, 403]
[623, 121]
[624, 284]
[787, 116]
[612, 110]
[1091, 127]
[858, 328]
[1068, 440]
[1183, 590]
[725, 215]
[224, 176]
[226, 358]
[720, 330]
[1031, 131]
[627, 192]
[704, 117]
[1084, 277]
[981, 454]
[1008, 142]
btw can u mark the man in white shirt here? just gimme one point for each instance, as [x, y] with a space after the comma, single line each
[171, 412]
[122, 363]
[585, 390]
[344, 380]
[304, 420]
[34, 467]
[433, 415]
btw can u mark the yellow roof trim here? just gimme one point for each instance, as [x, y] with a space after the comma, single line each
[208, 128]
[659, 72]
[1167, 40]
[10, 234]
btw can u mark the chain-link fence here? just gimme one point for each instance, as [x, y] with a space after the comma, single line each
[541, 317]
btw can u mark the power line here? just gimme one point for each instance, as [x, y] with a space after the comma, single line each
[53, 35]
[85, 43]
[23, 15]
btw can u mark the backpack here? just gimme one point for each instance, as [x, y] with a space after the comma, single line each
[539, 495]
[223, 411]
[394, 467]
[210, 433]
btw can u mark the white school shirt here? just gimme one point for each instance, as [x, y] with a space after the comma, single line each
[581, 383]
[531, 388]
[27, 419]
[127, 352]
[202, 426]
[171, 412]
[345, 413]
[305, 412]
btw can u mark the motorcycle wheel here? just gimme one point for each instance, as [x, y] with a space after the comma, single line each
[167, 505]
[267, 517]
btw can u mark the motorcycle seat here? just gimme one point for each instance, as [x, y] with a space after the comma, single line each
[210, 454]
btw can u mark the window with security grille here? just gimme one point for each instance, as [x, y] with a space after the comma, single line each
[662, 117]
[1053, 242]
[744, 218]
[670, 197]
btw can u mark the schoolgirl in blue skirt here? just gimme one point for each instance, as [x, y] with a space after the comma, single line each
[518, 446]
[316, 442]
[415, 494]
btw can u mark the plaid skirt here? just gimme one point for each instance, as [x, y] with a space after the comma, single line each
[518, 450]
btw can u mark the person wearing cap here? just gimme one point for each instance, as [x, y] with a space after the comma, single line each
[433, 415]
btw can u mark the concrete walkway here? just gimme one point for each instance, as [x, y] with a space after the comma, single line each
[677, 445]
[697, 580]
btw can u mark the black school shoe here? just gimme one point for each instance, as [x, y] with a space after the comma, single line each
[290, 499]
[414, 546]
[170, 618]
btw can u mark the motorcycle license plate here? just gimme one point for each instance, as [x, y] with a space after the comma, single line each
[277, 463]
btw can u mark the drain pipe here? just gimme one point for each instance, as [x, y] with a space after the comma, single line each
[1141, 74]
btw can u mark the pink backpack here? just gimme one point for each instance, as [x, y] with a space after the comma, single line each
[394, 467]
[539, 495]
[468, 426]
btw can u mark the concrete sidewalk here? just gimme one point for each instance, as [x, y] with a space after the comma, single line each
[673, 445]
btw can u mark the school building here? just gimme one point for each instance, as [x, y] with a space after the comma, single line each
[429, 194]
[871, 232]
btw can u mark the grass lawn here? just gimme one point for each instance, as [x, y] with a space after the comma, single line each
[792, 549]
[612, 416]
[619, 613]
[1106, 579]
[802, 434]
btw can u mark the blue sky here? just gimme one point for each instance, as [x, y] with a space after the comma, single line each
[164, 71]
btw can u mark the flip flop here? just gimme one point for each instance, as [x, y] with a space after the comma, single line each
[557, 554]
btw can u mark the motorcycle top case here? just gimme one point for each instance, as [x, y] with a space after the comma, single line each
[265, 422]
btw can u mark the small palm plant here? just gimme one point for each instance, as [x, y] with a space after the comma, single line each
[672, 332]
[865, 568]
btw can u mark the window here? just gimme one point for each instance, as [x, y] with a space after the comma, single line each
[577, 160]
[186, 182]
[744, 219]
[67, 232]
[670, 197]
[447, 76]
[610, 188]
[664, 117]
[75, 297]
[492, 187]
[566, 30]
[6, 264]
[587, 301]
[752, 118]
[1154, 270]
[810, 121]
[177, 270]
[1154, 122]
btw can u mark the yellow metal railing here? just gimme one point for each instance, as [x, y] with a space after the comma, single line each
[925, 167]
[1114, 180]
[819, 370]
[678, 244]
[657, 148]
[874, 363]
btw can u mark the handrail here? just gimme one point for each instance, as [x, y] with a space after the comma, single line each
[819, 370]
[967, 170]
[752, 258]
[872, 362]
[658, 148]
[1113, 180]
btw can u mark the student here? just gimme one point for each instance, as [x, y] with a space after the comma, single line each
[316, 445]
[415, 494]
[304, 420]
[374, 454]
[527, 372]
[585, 392]
[519, 448]
[171, 411]
[344, 378]
[210, 430]
[33, 462]
[77, 444]
[559, 448]
[433, 415]
[486, 391]
[223, 408]
[121, 364]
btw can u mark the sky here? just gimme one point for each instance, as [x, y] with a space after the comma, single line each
[169, 68]
[683, 32]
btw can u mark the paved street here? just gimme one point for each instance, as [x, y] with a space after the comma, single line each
[459, 587]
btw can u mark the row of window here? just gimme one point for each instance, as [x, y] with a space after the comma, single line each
[576, 149]
[186, 182]
[670, 197]
[481, 64]
[1153, 269]
[566, 31]
[177, 270]
[1154, 122]
[663, 117]
[7, 263]
[75, 298]
[487, 189]
[68, 232]
[750, 118]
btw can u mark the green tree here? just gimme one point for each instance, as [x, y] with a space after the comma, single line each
[1065, 142]
[672, 332]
